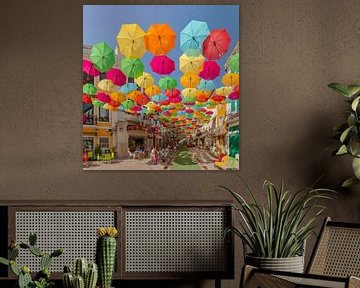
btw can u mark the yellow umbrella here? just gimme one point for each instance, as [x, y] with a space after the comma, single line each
[118, 97]
[131, 41]
[106, 85]
[189, 92]
[145, 80]
[132, 95]
[230, 79]
[152, 90]
[193, 64]
[190, 80]
[223, 91]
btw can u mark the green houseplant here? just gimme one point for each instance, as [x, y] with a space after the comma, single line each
[276, 233]
[348, 132]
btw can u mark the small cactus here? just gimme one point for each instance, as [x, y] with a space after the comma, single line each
[79, 282]
[36, 251]
[90, 272]
[106, 254]
[45, 261]
[68, 280]
[32, 239]
[80, 268]
[91, 276]
[24, 280]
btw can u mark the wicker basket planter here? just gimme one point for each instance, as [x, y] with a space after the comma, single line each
[291, 264]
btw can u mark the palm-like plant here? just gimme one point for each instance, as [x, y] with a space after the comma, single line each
[280, 229]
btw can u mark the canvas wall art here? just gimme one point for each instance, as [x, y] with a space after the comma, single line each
[160, 87]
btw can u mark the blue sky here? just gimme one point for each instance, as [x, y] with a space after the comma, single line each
[103, 22]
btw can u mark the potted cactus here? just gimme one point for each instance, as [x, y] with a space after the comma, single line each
[106, 254]
[84, 275]
[42, 278]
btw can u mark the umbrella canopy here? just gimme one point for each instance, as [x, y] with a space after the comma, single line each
[167, 83]
[128, 104]
[103, 97]
[216, 44]
[152, 90]
[234, 63]
[131, 40]
[235, 94]
[191, 64]
[97, 103]
[102, 56]
[210, 71]
[131, 67]
[189, 92]
[116, 76]
[89, 89]
[128, 87]
[175, 99]
[192, 37]
[207, 85]
[90, 69]
[160, 39]
[230, 79]
[218, 98]
[203, 96]
[162, 65]
[145, 80]
[190, 80]
[106, 85]
[136, 108]
[86, 99]
[142, 99]
[223, 91]
[132, 95]
[159, 98]
[118, 97]
[172, 92]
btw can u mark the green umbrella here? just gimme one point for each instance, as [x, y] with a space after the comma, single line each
[234, 63]
[89, 89]
[102, 56]
[167, 83]
[132, 67]
[128, 104]
[98, 103]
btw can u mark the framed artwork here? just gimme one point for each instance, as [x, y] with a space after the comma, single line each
[160, 87]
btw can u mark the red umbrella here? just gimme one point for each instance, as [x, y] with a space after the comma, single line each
[216, 44]
[103, 97]
[218, 98]
[136, 109]
[175, 99]
[86, 99]
[235, 94]
[116, 76]
[210, 71]
[172, 93]
[141, 99]
[162, 65]
[89, 68]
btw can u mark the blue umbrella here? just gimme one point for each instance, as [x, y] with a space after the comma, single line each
[193, 36]
[128, 87]
[207, 85]
[159, 98]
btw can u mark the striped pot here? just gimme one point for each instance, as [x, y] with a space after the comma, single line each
[291, 264]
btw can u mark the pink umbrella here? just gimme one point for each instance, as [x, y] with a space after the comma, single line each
[89, 68]
[209, 112]
[216, 44]
[162, 65]
[235, 94]
[116, 76]
[172, 93]
[210, 71]
[189, 110]
[136, 108]
[103, 97]
[175, 99]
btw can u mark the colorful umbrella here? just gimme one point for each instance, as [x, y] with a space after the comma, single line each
[207, 85]
[175, 99]
[159, 98]
[223, 91]
[192, 64]
[142, 99]
[106, 85]
[131, 41]
[192, 37]
[102, 56]
[118, 97]
[234, 63]
[116, 76]
[136, 108]
[128, 87]
[190, 80]
[152, 90]
[132, 95]
[86, 99]
[90, 69]
[89, 89]
[167, 83]
[103, 97]
[97, 103]
[162, 65]
[189, 92]
[172, 92]
[145, 80]
[210, 71]
[203, 96]
[234, 95]
[216, 44]
[230, 79]
[128, 104]
[131, 67]
[218, 98]
[160, 39]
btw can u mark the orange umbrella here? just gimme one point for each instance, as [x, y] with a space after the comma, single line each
[160, 39]
[132, 95]
[190, 80]
[152, 90]
[203, 96]
[141, 99]
[117, 97]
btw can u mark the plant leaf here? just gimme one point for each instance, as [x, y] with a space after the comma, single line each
[345, 134]
[355, 103]
[340, 88]
[342, 150]
[349, 182]
[353, 89]
[356, 167]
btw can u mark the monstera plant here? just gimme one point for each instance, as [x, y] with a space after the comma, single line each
[348, 133]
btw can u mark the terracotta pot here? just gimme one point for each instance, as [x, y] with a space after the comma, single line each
[291, 264]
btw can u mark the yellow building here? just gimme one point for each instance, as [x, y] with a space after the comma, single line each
[220, 129]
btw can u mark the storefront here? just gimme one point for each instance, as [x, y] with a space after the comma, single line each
[233, 140]
[138, 138]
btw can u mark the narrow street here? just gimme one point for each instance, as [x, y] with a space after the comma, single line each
[192, 159]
